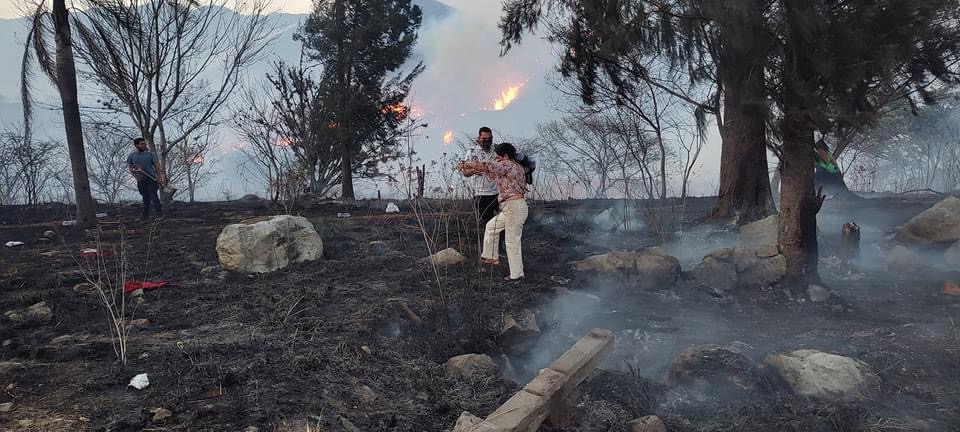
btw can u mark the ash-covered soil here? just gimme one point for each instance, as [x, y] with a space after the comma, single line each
[327, 346]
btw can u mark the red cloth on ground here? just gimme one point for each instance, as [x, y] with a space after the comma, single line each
[131, 286]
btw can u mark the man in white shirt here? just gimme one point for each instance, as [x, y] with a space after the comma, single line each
[484, 190]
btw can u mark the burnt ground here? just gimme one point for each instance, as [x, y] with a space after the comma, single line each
[325, 345]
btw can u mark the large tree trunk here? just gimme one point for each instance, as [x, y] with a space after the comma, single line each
[67, 86]
[799, 201]
[744, 194]
[346, 174]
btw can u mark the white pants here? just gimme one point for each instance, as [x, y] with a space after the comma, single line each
[510, 219]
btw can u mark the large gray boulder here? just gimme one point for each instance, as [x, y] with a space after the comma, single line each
[717, 271]
[759, 267]
[903, 260]
[938, 225]
[763, 232]
[264, 245]
[823, 375]
[651, 268]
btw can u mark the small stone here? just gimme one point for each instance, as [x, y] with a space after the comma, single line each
[37, 312]
[6, 407]
[7, 342]
[520, 332]
[10, 387]
[160, 415]
[140, 322]
[817, 293]
[444, 258]
[366, 394]
[647, 424]
[49, 235]
[251, 429]
[468, 365]
[366, 349]
[84, 288]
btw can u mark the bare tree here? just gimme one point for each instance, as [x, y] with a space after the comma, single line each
[170, 64]
[33, 162]
[588, 149]
[192, 160]
[10, 179]
[269, 154]
[108, 148]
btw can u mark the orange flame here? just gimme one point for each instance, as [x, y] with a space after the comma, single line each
[447, 137]
[507, 96]
[284, 142]
[397, 108]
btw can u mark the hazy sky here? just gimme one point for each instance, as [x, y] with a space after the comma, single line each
[8, 8]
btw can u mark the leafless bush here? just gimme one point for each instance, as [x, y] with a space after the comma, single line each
[34, 165]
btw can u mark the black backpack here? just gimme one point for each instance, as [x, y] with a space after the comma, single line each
[528, 166]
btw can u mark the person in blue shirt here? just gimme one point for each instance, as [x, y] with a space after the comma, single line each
[145, 167]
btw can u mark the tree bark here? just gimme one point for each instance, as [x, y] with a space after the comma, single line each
[67, 87]
[799, 201]
[744, 194]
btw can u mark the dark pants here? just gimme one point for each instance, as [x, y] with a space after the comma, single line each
[148, 190]
[487, 207]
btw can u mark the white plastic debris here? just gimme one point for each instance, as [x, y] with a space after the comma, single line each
[343, 215]
[101, 215]
[392, 208]
[140, 382]
[14, 243]
[88, 251]
[68, 222]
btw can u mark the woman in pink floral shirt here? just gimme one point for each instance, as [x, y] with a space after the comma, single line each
[511, 183]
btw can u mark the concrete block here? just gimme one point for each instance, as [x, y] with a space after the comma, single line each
[584, 356]
[521, 413]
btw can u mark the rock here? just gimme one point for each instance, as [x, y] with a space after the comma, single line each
[139, 382]
[520, 332]
[366, 394]
[140, 322]
[817, 293]
[720, 275]
[160, 415]
[444, 258]
[366, 349]
[652, 271]
[84, 288]
[763, 232]
[938, 225]
[722, 368]
[903, 260]
[470, 423]
[50, 235]
[251, 429]
[392, 208]
[6, 407]
[754, 270]
[768, 251]
[37, 312]
[819, 374]
[267, 245]
[647, 424]
[249, 198]
[468, 365]
[952, 256]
